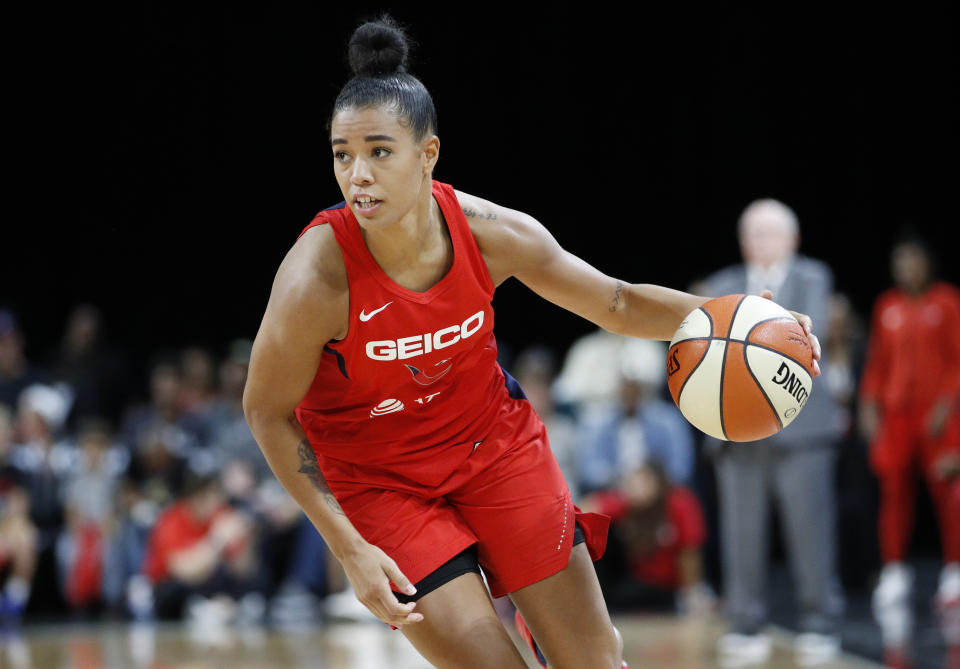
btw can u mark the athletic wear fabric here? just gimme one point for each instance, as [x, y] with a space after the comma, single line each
[427, 444]
[416, 372]
[914, 356]
[914, 362]
[464, 562]
[903, 447]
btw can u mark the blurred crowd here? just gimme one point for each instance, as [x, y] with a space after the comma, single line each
[165, 508]
[157, 509]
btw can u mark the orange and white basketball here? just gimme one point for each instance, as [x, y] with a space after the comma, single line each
[740, 368]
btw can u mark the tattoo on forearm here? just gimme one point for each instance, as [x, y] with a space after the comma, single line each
[617, 297]
[311, 468]
[473, 213]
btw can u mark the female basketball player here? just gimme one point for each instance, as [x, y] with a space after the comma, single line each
[376, 397]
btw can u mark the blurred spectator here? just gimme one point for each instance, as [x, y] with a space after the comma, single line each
[590, 374]
[16, 373]
[844, 344]
[640, 427]
[8, 475]
[90, 491]
[653, 558]
[795, 465]
[41, 463]
[135, 514]
[197, 386]
[230, 437]
[18, 536]
[200, 550]
[293, 554]
[161, 421]
[157, 466]
[909, 395]
[535, 369]
[94, 372]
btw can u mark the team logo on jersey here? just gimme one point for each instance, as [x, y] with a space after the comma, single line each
[385, 407]
[422, 378]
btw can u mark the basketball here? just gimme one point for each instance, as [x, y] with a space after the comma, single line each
[740, 368]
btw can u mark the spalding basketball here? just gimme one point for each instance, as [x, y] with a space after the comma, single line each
[740, 368]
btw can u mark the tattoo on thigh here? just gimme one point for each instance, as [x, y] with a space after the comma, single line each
[617, 297]
[311, 468]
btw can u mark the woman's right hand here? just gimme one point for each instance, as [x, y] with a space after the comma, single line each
[370, 572]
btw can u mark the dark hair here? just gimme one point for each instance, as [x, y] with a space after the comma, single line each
[197, 482]
[378, 57]
[910, 235]
[93, 425]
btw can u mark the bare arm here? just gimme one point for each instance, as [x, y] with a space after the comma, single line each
[308, 308]
[515, 244]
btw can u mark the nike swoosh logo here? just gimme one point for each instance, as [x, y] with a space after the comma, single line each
[366, 317]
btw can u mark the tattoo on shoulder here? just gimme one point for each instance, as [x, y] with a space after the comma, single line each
[311, 469]
[473, 213]
[617, 297]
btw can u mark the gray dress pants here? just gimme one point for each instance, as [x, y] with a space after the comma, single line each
[801, 479]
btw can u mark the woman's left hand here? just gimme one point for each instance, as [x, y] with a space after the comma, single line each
[807, 324]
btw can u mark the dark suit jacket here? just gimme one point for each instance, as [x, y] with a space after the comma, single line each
[807, 289]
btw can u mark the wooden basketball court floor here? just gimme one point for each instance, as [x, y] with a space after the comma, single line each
[650, 643]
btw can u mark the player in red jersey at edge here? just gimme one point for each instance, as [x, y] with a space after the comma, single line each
[376, 397]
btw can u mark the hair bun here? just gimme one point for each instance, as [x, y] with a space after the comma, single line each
[378, 48]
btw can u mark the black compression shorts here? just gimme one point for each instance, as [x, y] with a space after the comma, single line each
[462, 563]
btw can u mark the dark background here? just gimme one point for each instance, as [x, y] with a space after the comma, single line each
[170, 156]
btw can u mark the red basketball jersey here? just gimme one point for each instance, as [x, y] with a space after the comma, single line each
[415, 382]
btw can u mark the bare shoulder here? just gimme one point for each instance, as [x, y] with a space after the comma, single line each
[310, 291]
[510, 240]
[489, 220]
[308, 307]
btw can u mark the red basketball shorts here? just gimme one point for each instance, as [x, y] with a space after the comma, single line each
[507, 496]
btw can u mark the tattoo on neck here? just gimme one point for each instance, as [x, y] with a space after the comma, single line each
[473, 213]
[617, 297]
[311, 468]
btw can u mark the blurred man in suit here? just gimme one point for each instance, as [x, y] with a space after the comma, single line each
[796, 466]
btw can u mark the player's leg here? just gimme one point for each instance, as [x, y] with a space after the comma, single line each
[519, 507]
[941, 458]
[946, 498]
[460, 628]
[433, 547]
[891, 456]
[568, 617]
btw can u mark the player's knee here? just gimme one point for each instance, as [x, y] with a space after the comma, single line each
[606, 651]
[613, 649]
[481, 644]
[613, 654]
